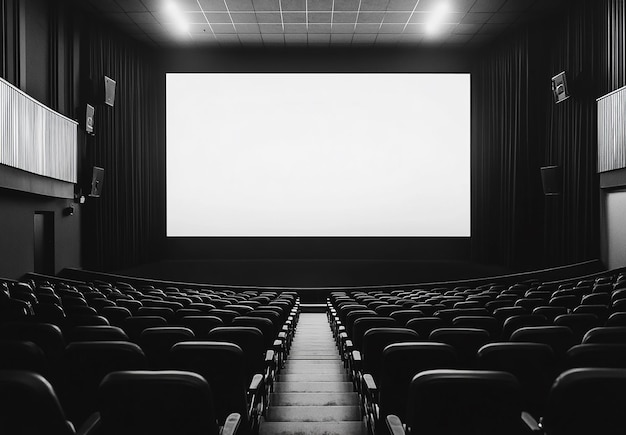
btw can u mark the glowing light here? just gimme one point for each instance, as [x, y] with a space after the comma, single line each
[433, 26]
[179, 23]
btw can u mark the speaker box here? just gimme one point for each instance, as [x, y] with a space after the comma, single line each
[559, 87]
[552, 180]
[109, 91]
[97, 178]
[89, 114]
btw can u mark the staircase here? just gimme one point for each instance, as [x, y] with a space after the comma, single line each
[314, 395]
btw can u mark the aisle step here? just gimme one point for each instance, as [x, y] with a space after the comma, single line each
[313, 394]
[314, 399]
[314, 413]
[318, 428]
[313, 387]
[315, 377]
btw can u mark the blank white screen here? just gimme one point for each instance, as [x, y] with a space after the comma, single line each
[318, 154]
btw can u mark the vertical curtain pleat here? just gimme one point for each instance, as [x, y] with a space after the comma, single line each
[124, 225]
[518, 129]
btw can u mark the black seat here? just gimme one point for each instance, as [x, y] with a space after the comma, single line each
[466, 342]
[23, 355]
[158, 403]
[597, 355]
[201, 325]
[587, 401]
[48, 337]
[403, 316]
[29, 406]
[467, 402]
[513, 323]
[223, 366]
[579, 323]
[374, 342]
[116, 315]
[606, 334]
[134, 326]
[250, 340]
[97, 333]
[559, 338]
[533, 364]
[400, 363]
[86, 364]
[423, 326]
[488, 323]
[156, 344]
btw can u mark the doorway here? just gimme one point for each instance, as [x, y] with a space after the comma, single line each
[43, 236]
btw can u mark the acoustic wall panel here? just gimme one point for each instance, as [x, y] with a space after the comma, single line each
[35, 138]
[612, 131]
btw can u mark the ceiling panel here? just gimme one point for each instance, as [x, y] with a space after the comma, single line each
[469, 23]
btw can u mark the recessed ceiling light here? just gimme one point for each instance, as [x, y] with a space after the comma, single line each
[179, 23]
[437, 16]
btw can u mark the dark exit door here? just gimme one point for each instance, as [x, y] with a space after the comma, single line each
[43, 236]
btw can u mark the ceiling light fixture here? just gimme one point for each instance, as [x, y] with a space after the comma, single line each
[437, 16]
[178, 19]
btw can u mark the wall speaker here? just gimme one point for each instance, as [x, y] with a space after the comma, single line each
[97, 178]
[552, 180]
[109, 91]
[89, 114]
[559, 87]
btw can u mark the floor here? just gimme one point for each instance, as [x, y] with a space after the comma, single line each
[314, 395]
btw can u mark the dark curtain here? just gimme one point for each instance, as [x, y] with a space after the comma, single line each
[124, 225]
[572, 224]
[518, 129]
[505, 187]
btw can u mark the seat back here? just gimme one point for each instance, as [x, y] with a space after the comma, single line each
[602, 355]
[468, 402]
[423, 326]
[606, 334]
[86, 364]
[156, 343]
[97, 333]
[587, 401]
[533, 364]
[374, 342]
[559, 338]
[466, 342]
[363, 324]
[29, 405]
[201, 325]
[134, 326]
[224, 368]
[400, 363]
[23, 355]
[249, 339]
[156, 403]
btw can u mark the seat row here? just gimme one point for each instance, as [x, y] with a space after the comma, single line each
[239, 356]
[385, 351]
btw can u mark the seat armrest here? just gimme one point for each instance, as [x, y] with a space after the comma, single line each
[370, 384]
[91, 426]
[256, 383]
[531, 423]
[231, 425]
[394, 425]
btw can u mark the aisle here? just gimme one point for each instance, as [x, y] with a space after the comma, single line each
[314, 395]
